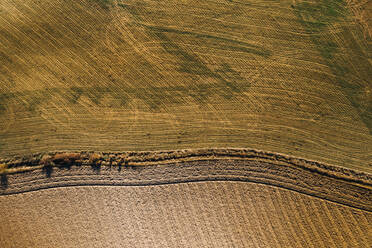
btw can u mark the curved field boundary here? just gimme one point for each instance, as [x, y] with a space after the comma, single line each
[68, 159]
[44, 171]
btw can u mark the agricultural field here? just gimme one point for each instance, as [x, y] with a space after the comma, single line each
[182, 123]
[291, 77]
[181, 215]
[210, 203]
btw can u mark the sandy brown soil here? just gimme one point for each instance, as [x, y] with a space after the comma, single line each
[197, 214]
[205, 203]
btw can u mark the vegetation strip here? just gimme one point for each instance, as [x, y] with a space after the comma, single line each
[68, 159]
[261, 171]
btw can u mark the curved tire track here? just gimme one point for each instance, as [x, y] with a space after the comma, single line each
[356, 195]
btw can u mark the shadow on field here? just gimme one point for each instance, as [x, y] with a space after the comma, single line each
[96, 167]
[48, 170]
[4, 181]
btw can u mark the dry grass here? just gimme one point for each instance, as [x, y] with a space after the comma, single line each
[140, 159]
[362, 10]
[3, 168]
[334, 184]
[143, 75]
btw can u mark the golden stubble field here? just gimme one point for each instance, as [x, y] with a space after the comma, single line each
[291, 77]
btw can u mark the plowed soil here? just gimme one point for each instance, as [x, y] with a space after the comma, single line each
[246, 201]
[190, 214]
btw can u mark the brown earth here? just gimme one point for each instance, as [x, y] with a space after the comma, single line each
[196, 214]
[240, 202]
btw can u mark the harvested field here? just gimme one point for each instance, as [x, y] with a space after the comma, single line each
[182, 123]
[292, 77]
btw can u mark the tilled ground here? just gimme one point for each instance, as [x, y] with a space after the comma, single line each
[189, 214]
